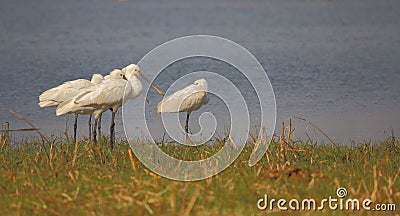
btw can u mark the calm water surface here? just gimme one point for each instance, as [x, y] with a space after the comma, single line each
[336, 63]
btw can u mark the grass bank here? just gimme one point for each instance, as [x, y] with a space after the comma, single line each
[93, 180]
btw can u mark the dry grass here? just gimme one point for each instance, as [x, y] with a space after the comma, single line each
[83, 179]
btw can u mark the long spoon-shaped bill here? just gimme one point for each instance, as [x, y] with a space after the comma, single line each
[152, 85]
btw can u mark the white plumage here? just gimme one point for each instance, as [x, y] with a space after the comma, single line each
[107, 95]
[67, 90]
[187, 100]
[95, 99]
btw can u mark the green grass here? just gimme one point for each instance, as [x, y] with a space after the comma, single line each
[93, 180]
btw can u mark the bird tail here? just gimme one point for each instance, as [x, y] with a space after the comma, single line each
[169, 106]
[48, 103]
[48, 94]
[65, 107]
[48, 98]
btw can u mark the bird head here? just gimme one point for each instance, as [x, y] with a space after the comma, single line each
[134, 70]
[97, 79]
[201, 83]
[130, 70]
[117, 74]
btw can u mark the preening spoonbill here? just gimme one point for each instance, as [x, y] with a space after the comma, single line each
[186, 100]
[108, 95]
[67, 90]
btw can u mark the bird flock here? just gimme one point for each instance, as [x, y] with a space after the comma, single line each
[95, 96]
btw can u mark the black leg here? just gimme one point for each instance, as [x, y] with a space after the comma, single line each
[66, 129]
[95, 131]
[99, 125]
[75, 127]
[187, 123]
[90, 127]
[112, 132]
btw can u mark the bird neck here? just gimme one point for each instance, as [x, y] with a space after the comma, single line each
[136, 86]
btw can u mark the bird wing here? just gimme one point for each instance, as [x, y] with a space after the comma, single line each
[67, 90]
[104, 95]
[78, 84]
[194, 101]
[59, 96]
[171, 103]
[187, 99]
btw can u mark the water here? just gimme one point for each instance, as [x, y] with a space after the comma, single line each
[336, 63]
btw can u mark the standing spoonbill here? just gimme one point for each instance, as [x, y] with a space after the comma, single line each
[107, 77]
[66, 108]
[67, 90]
[186, 100]
[110, 94]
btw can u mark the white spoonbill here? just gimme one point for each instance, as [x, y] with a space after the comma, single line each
[66, 108]
[186, 100]
[118, 74]
[67, 90]
[108, 95]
